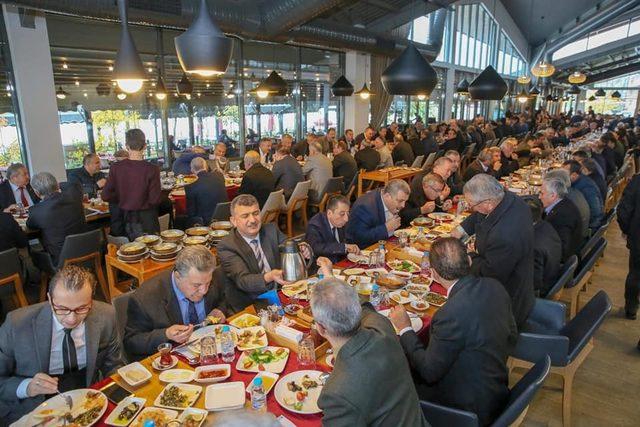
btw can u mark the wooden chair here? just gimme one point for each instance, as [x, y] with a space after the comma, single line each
[10, 269]
[431, 158]
[164, 222]
[348, 192]
[297, 202]
[271, 210]
[334, 187]
[417, 163]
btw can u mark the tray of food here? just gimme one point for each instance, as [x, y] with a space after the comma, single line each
[252, 338]
[271, 359]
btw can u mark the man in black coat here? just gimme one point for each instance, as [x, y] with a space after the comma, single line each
[629, 221]
[344, 164]
[402, 151]
[497, 218]
[205, 193]
[471, 337]
[11, 235]
[425, 199]
[508, 158]
[326, 232]
[428, 142]
[562, 214]
[257, 180]
[483, 164]
[547, 250]
[17, 189]
[287, 172]
[367, 158]
[89, 176]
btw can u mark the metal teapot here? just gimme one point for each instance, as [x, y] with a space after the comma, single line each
[294, 267]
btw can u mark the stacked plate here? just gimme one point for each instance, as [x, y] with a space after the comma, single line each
[149, 239]
[165, 251]
[216, 235]
[132, 252]
[221, 225]
[172, 236]
[196, 240]
[197, 231]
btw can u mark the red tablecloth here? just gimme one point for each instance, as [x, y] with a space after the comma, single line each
[180, 200]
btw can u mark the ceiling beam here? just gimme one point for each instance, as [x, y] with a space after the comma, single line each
[616, 46]
[406, 14]
[610, 74]
[381, 4]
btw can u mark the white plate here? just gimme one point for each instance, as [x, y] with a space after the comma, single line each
[57, 406]
[177, 376]
[201, 413]
[414, 305]
[417, 288]
[112, 419]
[353, 271]
[253, 343]
[433, 303]
[441, 216]
[330, 359]
[411, 232]
[361, 279]
[372, 271]
[273, 377]
[363, 258]
[399, 299]
[145, 375]
[156, 363]
[245, 321]
[141, 418]
[396, 264]
[276, 367]
[282, 393]
[205, 368]
[193, 392]
[210, 331]
[299, 288]
[220, 397]
[416, 322]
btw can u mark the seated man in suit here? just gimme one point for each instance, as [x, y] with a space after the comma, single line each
[454, 182]
[485, 163]
[250, 254]
[89, 176]
[465, 363]
[318, 169]
[287, 172]
[258, 181]
[547, 249]
[367, 158]
[166, 307]
[17, 189]
[386, 160]
[589, 190]
[182, 165]
[562, 214]
[508, 158]
[325, 231]
[264, 150]
[402, 151]
[218, 160]
[358, 392]
[66, 343]
[344, 164]
[59, 214]
[204, 194]
[428, 198]
[375, 215]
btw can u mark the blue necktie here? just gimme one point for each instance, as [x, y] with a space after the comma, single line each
[193, 313]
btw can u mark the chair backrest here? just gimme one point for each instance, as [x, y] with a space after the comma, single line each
[566, 274]
[300, 191]
[274, 203]
[523, 392]
[334, 185]
[117, 240]
[350, 189]
[438, 415]
[80, 245]
[121, 306]
[418, 162]
[586, 322]
[609, 217]
[587, 264]
[431, 158]
[10, 266]
[164, 222]
[589, 245]
[222, 212]
[469, 150]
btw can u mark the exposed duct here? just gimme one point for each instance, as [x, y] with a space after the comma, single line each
[283, 15]
[240, 22]
[610, 74]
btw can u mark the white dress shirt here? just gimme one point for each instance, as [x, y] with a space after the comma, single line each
[267, 267]
[17, 194]
[387, 215]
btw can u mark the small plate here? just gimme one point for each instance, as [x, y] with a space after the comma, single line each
[191, 390]
[353, 271]
[398, 298]
[112, 419]
[198, 414]
[223, 366]
[372, 271]
[354, 280]
[416, 288]
[269, 379]
[156, 363]
[416, 322]
[220, 397]
[177, 376]
[283, 395]
[139, 372]
[245, 321]
[419, 305]
[276, 366]
[441, 216]
[142, 416]
[254, 342]
[436, 299]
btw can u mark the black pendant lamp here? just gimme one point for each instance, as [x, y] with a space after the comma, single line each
[203, 49]
[184, 86]
[463, 88]
[616, 95]
[574, 90]
[488, 85]
[161, 89]
[61, 93]
[364, 93]
[549, 98]
[128, 70]
[534, 91]
[409, 74]
[342, 87]
[592, 98]
[600, 93]
[273, 85]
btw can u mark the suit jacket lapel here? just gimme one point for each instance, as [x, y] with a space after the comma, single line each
[171, 305]
[246, 251]
[267, 248]
[92, 340]
[380, 205]
[42, 324]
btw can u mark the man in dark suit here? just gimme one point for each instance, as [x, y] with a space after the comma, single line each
[451, 141]
[589, 190]
[359, 392]
[325, 231]
[547, 249]
[454, 182]
[428, 142]
[508, 157]
[250, 254]
[402, 151]
[485, 163]
[11, 235]
[562, 214]
[66, 343]
[59, 214]
[497, 217]
[465, 363]
[166, 307]
[629, 221]
[344, 164]
[287, 172]
[375, 215]
[17, 189]
[367, 158]
[89, 176]
[204, 194]
[257, 180]
[590, 169]
[426, 199]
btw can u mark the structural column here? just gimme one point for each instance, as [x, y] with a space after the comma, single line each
[448, 93]
[35, 88]
[356, 109]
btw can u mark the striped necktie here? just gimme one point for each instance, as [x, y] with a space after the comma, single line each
[257, 250]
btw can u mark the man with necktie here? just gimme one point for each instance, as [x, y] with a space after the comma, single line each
[250, 255]
[169, 305]
[17, 189]
[66, 343]
[325, 231]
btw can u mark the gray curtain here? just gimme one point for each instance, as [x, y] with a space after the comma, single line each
[381, 101]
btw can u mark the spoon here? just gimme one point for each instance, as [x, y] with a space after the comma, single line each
[323, 377]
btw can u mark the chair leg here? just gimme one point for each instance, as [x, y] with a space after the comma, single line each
[304, 215]
[101, 279]
[567, 388]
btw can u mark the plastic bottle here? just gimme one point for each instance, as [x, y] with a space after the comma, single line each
[380, 261]
[226, 345]
[149, 423]
[374, 298]
[425, 265]
[258, 398]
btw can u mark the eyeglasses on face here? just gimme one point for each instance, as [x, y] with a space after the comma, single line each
[64, 311]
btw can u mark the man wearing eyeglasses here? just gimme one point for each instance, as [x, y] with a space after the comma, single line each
[56, 346]
[428, 198]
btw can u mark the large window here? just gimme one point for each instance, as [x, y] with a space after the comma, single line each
[475, 32]
[625, 105]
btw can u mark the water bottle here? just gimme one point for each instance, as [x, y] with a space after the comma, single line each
[226, 345]
[149, 423]
[424, 263]
[374, 298]
[380, 261]
[258, 398]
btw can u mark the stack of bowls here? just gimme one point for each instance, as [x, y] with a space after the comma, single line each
[132, 252]
[172, 236]
[149, 240]
[165, 251]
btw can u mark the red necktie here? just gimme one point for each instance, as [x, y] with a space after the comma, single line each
[23, 198]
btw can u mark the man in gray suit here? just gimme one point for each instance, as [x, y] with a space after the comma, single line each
[250, 255]
[318, 169]
[371, 383]
[66, 343]
[166, 307]
[286, 171]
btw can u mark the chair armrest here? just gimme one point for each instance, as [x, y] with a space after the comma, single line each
[534, 347]
[546, 317]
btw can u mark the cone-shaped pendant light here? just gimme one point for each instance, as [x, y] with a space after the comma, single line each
[61, 94]
[600, 93]
[616, 95]
[128, 70]
[488, 85]
[342, 87]
[577, 77]
[523, 80]
[522, 97]
[534, 91]
[463, 88]
[273, 85]
[592, 98]
[409, 74]
[161, 89]
[575, 90]
[364, 93]
[184, 86]
[203, 49]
